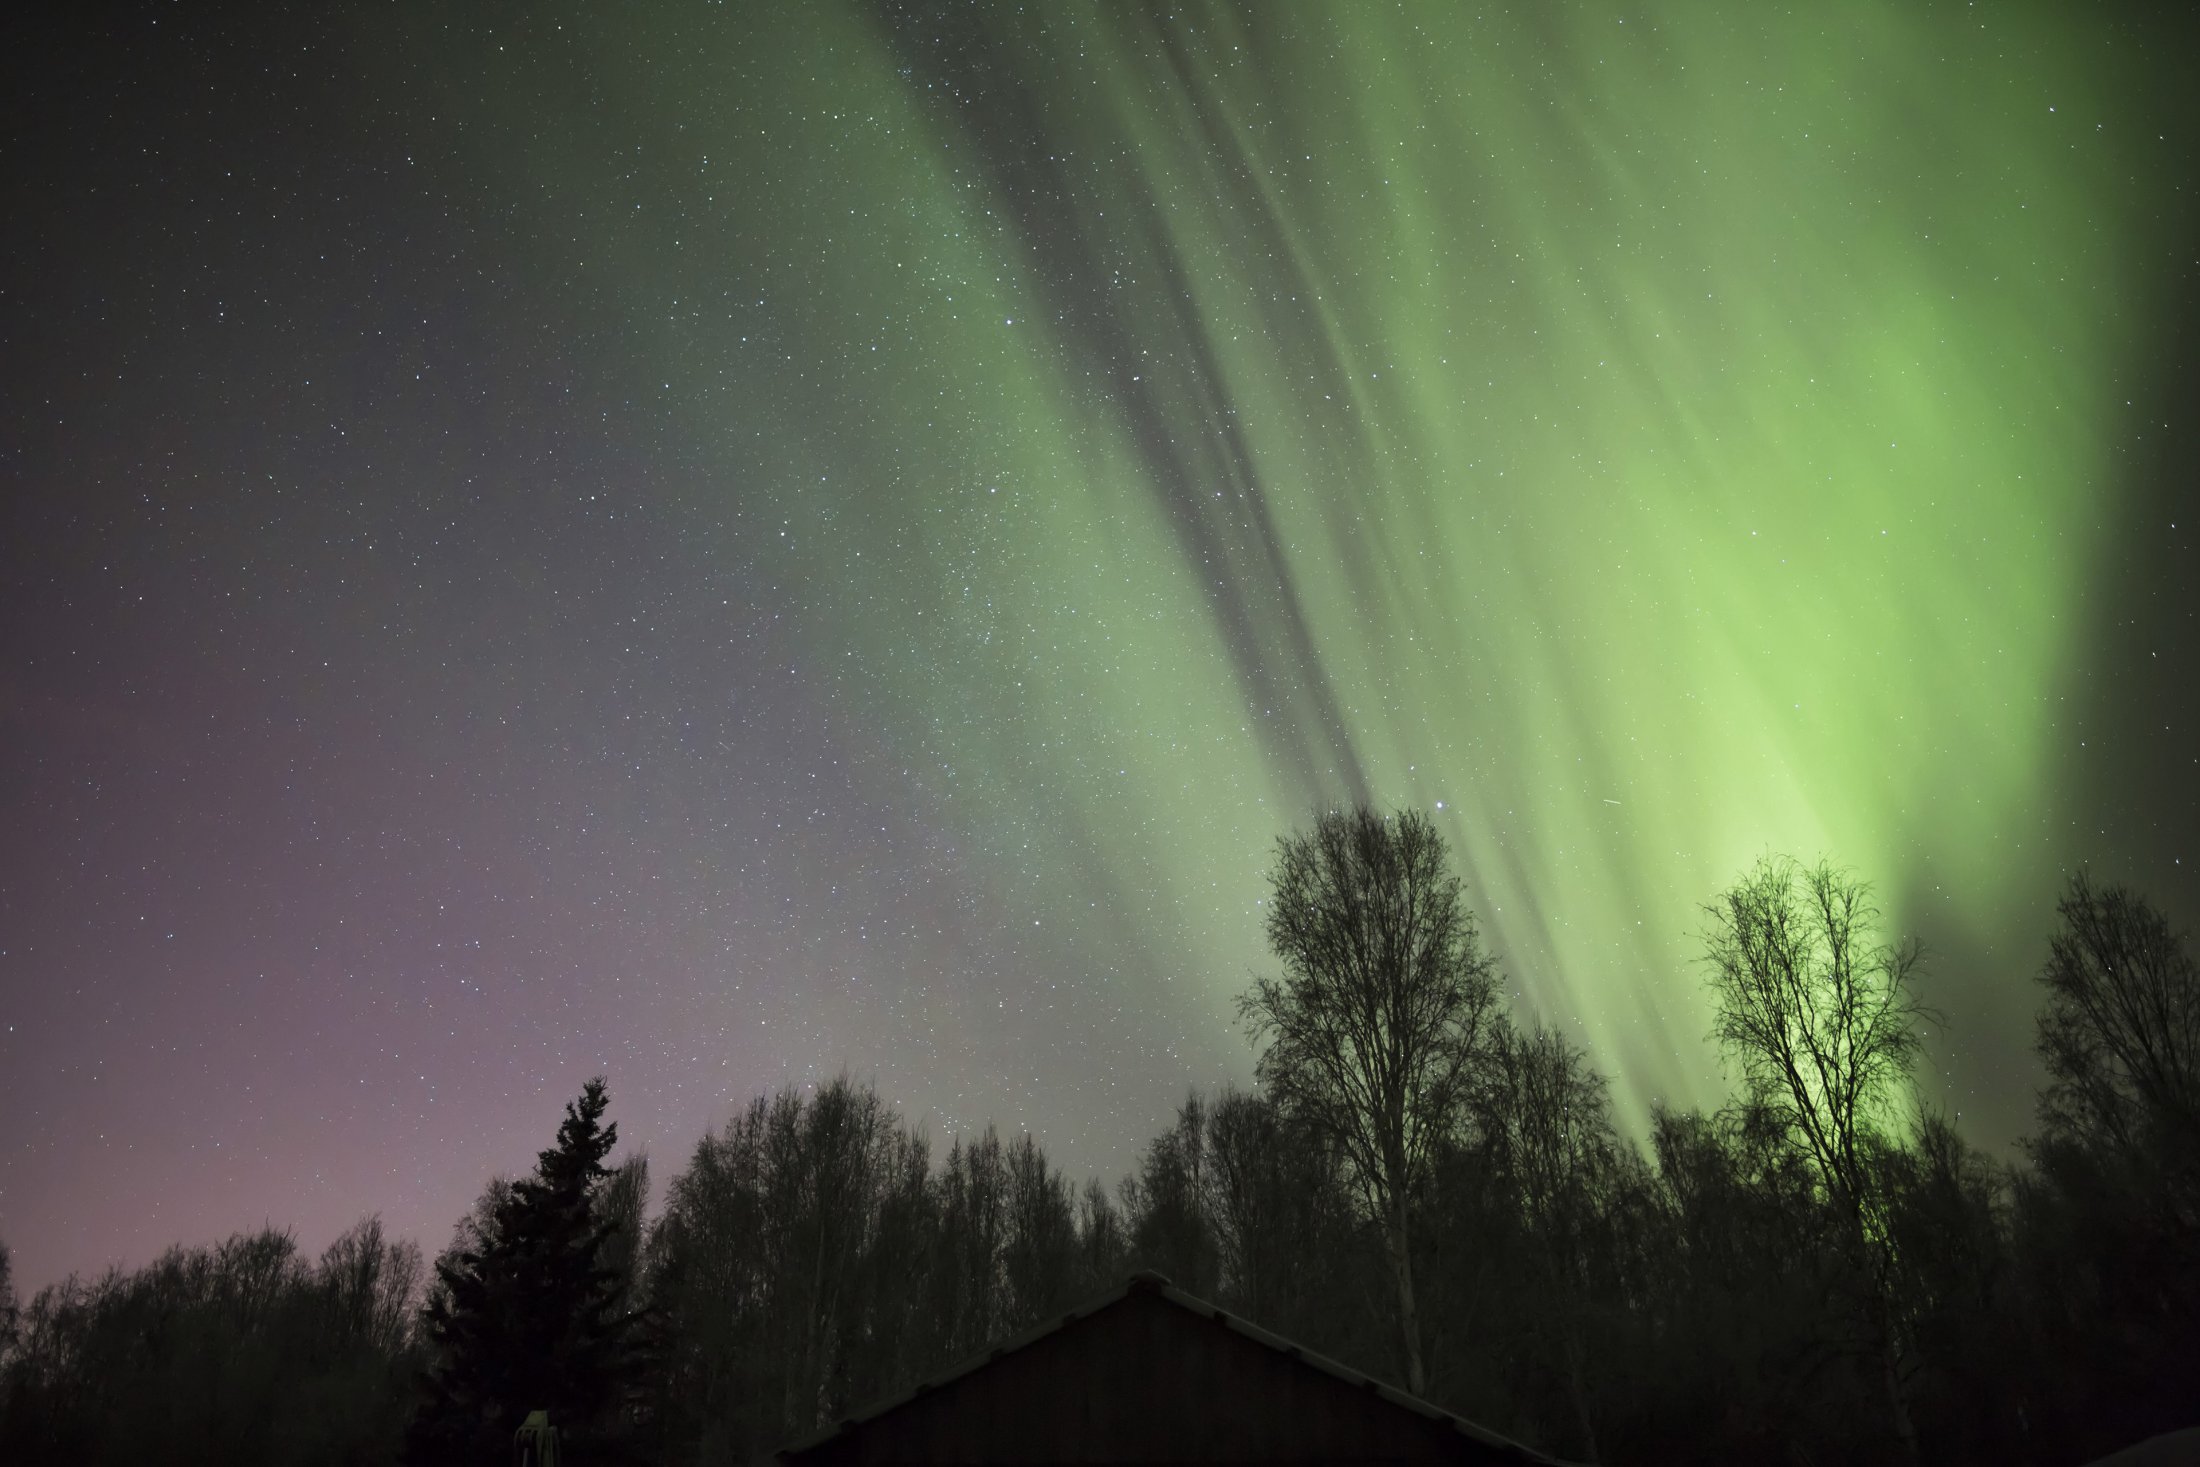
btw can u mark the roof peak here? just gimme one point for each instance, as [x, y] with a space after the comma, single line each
[1148, 1283]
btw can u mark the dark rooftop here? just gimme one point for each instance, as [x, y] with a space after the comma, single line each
[1149, 1373]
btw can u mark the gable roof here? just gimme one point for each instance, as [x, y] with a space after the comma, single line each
[1150, 1373]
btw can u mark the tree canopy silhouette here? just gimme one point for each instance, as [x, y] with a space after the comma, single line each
[1384, 1010]
[525, 1314]
[1825, 1024]
[8, 1311]
[1732, 1292]
[2120, 1033]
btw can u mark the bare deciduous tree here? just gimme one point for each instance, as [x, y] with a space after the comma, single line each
[372, 1286]
[1275, 1202]
[1166, 1209]
[1823, 1019]
[9, 1313]
[1039, 1256]
[2121, 1034]
[1386, 1004]
[1547, 1121]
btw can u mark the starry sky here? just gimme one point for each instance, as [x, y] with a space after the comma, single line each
[724, 544]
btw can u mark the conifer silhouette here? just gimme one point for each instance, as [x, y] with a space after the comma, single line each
[528, 1318]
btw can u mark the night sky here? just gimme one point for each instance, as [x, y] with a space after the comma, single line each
[721, 545]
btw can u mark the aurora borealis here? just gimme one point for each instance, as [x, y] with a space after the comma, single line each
[719, 544]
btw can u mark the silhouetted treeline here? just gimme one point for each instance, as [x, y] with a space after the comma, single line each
[242, 1352]
[1707, 1294]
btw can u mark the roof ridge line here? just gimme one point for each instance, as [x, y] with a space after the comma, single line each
[1151, 1283]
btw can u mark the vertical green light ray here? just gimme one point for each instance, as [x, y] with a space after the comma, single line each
[1679, 435]
[1747, 396]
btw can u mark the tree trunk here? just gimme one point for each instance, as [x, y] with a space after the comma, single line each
[1873, 1269]
[1579, 1390]
[1409, 1316]
[1568, 1291]
[1897, 1408]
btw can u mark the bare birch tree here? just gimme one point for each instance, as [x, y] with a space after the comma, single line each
[1375, 1031]
[1547, 1119]
[1823, 1019]
[2120, 1033]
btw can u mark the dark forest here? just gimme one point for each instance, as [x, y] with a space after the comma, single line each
[1820, 1271]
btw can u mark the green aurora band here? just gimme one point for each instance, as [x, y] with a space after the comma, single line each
[1654, 436]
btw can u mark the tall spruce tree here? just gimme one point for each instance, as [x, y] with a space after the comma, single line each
[526, 1315]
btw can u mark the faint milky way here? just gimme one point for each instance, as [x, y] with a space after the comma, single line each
[718, 544]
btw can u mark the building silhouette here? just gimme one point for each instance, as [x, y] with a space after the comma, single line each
[1150, 1374]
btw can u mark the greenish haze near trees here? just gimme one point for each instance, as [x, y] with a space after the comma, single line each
[1819, 1266]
